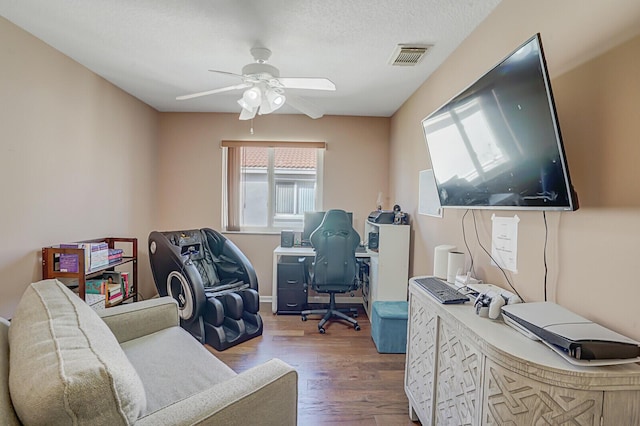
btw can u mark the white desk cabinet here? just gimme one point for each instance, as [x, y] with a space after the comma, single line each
[389, 267]
[465, 370]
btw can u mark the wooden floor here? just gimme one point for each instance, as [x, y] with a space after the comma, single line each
[342, 379]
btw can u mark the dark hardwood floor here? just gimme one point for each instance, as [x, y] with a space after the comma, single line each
[342, 379]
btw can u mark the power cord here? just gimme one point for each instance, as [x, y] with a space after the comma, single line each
[464, 237]
[475, 224]
[544, 252]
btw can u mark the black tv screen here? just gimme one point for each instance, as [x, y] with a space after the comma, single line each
[497, 144]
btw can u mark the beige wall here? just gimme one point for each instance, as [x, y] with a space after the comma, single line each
[595, 73]
[600, 118]
[190, 158]
[76, 160]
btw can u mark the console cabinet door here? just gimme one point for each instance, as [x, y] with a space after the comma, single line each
[421, 356]
[510, 398]
[458, 380]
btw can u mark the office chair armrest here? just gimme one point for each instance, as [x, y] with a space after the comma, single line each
[266, 394]
[132, 320]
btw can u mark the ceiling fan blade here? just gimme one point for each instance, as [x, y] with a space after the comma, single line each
[304, 106]
[227, 73]
[211, 92]
[306, 83]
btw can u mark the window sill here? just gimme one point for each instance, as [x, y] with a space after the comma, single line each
[251, 232]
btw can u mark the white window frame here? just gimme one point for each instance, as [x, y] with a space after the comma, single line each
[271, 227]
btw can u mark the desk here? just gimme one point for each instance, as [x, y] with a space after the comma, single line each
[297, 252]
[464, 369]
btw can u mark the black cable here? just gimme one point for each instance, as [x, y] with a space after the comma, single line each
[464, 237]
[544, 253]
[473, 214]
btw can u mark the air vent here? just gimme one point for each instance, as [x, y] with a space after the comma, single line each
[405, 55]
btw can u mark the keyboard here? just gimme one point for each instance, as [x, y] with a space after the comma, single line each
[441, 291]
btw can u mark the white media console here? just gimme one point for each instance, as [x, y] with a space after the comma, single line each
[462, 369]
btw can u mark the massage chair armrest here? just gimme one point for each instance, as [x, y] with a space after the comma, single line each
[265, 395]
[132, 320]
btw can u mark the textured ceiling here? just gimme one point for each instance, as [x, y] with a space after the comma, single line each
[159, 49]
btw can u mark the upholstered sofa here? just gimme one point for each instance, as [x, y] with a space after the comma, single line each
[62, 363]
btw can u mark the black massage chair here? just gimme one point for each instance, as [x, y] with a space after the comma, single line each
[213, 282]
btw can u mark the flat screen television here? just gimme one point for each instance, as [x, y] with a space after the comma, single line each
[497, 144]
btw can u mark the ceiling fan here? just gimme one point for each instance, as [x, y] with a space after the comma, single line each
[265, 89]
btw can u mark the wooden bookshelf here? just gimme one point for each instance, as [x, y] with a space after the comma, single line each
[51, 265]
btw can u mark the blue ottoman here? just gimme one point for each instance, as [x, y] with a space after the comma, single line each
[389, 326]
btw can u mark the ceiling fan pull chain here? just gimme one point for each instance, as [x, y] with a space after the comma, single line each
[251, 130]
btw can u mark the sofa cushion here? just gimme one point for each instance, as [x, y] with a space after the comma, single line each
[173, 366]
[7, 414]
[66, 365]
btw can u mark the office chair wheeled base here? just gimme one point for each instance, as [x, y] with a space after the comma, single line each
[331, 312]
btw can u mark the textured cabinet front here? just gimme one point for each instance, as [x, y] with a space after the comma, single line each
[466, 370]
[458, 379]
[292, 292]
[421, 356]
[512, 399]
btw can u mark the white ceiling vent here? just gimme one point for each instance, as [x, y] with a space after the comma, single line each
[406, 55]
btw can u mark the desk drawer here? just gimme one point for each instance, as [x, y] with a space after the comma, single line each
[292, 301]
[292, 291]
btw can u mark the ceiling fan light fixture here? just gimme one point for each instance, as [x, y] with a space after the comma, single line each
[244, 105]
[252, 97]
[247, 114]
[275, 98]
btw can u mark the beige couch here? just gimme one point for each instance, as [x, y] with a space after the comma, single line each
[61, 363]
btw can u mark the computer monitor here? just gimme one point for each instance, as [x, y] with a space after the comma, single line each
[311, 222]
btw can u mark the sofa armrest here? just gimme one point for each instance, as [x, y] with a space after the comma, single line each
[132, 320]
[266, 394]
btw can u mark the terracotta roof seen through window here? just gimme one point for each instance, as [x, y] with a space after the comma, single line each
[286, 158]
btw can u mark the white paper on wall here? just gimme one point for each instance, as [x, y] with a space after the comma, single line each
[504, 242]
[429, 202]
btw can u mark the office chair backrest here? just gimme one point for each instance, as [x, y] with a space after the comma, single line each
[335, 242]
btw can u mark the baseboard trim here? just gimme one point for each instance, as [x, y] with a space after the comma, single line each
[320, 299]
[266, 299]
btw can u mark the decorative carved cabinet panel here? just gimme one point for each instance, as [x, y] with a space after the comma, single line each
[462, 369]
[421, 358]
[510, 398]
[458, 382]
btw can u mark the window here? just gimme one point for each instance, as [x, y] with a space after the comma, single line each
[269, 185]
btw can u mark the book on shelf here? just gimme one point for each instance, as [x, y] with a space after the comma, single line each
[67, 258]
[113, 277]
[125, 284]
[68, 263]
[96, 255]
[99, 255]
[94, 286]
[115, 255]
[114, 293]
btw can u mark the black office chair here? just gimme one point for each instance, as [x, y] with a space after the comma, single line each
[213, 282]
[335, 269]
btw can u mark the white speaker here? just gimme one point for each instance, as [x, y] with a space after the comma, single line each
[441, 260]
[455, 265]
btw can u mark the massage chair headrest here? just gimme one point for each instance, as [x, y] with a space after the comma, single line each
[190, 243]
